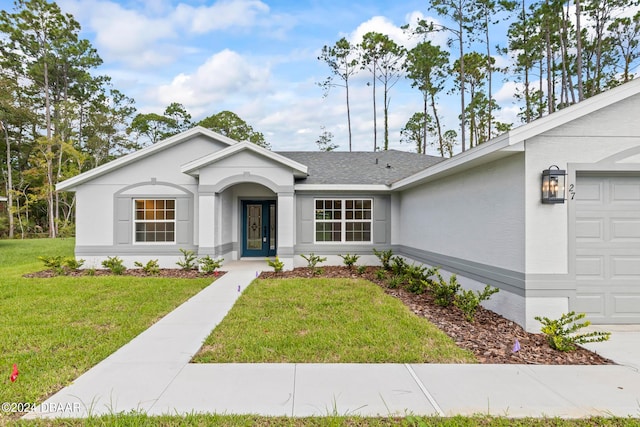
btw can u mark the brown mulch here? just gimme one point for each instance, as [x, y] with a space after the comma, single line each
[490, 337]
[136, 272]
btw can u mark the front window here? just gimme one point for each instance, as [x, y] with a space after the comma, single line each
[343, 220]
[155, 220]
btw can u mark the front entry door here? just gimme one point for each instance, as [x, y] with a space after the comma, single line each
[259, 228]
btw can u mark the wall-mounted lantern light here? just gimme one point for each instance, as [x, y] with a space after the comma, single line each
[553, 185]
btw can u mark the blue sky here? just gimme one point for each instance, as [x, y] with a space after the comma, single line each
[258, 58]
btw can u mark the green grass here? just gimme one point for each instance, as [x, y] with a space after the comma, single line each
[56, 329]
[140, 420]
[325, 321]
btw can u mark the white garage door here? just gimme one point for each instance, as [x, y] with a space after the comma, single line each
[608, 248]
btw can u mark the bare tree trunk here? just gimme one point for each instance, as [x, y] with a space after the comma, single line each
[547, 37]
[579, 52]
[438, 127]
[346, 83]
[9, 182]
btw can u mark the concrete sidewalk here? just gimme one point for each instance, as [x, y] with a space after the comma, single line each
[152, 374]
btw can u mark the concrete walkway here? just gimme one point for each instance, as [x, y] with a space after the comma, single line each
[152, 374]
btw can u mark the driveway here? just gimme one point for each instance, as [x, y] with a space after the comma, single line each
[623, 347]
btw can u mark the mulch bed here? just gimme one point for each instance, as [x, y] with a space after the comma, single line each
[175, 273]
[490, 337]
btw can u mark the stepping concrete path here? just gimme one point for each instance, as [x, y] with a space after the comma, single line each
[152, 374]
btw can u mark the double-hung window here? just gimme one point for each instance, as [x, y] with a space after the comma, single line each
[343, 220]
[155, 220]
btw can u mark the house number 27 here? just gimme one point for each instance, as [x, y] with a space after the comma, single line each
[572, 191]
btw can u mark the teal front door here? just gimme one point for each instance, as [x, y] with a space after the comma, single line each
[259, 228]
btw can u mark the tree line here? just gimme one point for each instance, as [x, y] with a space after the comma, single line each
[58, 119]
[563, 51]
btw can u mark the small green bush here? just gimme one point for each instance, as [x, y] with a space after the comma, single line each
[381, 274]
[115, 265]
[188, 261]
[151, 267]
[209, 265]
[384, 257]
[276, 264]
[468, 301]
[349, 260]
[416, 286]
[395, 281]
[444, 292]
[362, 269]
[398, 265]
[312, 261]
[61, 265]
[561, 332]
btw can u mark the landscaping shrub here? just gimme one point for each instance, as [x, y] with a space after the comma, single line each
[395, 281]
[151, 267]
[209, 265]
[362, 269]
[444, 292]
[468, 301]
[61, 265]
[312, 261]
[384, 257]
[349, 260]
[416, 286]
[381, 274]
[560, 332]
[276, 264]
[114, 264]
[188, 261]
[398, 265]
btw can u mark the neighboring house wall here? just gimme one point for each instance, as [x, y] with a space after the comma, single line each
[472, 223]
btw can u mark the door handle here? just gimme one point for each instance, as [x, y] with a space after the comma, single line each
[264, 233]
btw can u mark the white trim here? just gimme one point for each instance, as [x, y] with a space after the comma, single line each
[343, 222]
[140, 154]
[164, 221]
[342, 187]
[192, 168]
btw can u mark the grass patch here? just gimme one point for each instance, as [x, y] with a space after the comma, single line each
[325, 321]
[55, 329]
[330, 420]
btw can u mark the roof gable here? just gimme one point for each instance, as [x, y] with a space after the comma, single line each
[143, 153]
[193, 167]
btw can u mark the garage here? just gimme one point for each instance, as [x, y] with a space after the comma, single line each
[607, 247]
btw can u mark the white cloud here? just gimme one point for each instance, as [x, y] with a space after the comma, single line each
[224, 77]
[220, 15]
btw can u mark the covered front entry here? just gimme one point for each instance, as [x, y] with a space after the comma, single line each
[259, 229]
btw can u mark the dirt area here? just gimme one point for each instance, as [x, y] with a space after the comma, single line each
[490, 337]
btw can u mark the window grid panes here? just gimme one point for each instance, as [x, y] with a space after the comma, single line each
[155, 220]
[343, 220]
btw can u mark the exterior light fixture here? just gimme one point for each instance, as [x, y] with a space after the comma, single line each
[553, 185]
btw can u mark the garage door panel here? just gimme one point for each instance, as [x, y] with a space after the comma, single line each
[625, 229]
[625, 190]
[607, 248]
[626, 305]
[591, 304]
[589, 267]
[627, 267]
[590, 229]
[591, 192]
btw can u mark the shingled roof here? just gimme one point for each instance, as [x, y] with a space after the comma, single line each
[340, 167]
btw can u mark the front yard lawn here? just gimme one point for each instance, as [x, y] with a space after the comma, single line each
[325, 321]
[55, 329]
